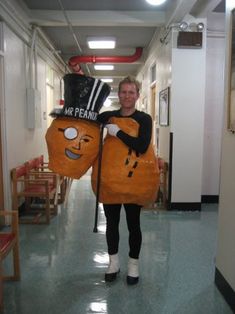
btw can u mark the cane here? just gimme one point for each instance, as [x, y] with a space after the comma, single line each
[98, 177]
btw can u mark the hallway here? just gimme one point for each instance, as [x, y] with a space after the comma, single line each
[63, 264]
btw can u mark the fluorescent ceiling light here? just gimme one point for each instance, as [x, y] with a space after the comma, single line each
[107, 80]
[101, 43]
[103, 67]
[155, 2]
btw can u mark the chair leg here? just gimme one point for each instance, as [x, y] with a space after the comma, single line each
[1, 288]
[27, 204]
[16, 261]
[57, 190]
[68, 187]
[62, 191]
[15, 204]
[48, 210]
[56, 209]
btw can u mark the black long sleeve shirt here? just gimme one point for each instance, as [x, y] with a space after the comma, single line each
[140, 143]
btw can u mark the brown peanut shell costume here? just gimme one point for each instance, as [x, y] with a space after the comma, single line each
[126, 177]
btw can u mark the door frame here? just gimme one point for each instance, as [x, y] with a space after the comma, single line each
[5, 202]
[153, 93]
[1, 148]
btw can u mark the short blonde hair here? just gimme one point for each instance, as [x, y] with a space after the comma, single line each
[129, 80]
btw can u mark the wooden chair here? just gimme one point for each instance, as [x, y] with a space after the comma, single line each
[162, 192]
[40, 168]
[34, 169]
[63, 181]
[42, 162]
[27, 186]
[9, 242]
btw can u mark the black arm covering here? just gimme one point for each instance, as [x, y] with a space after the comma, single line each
[139, 144]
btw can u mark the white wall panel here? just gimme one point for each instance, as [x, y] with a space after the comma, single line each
[225, 258]
[21, 143]
[213, 115]
[187, 124]
[18, 135]
[15, 97]
[161, 55]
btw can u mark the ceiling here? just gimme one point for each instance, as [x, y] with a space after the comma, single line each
[133, 23]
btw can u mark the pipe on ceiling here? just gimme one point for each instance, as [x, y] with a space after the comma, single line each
[76, 60]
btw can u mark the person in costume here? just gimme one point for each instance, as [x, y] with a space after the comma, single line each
[129, 175]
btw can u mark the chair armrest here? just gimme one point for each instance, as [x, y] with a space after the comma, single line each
[34, 181]
[8, 213]
[43, 172]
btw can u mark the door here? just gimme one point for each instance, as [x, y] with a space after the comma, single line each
[49, 94]
[153, 102]
[1, 151]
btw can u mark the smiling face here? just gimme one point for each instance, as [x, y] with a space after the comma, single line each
[73, 145]
[128, 95]
[79, 144]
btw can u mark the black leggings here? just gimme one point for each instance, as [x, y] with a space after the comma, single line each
[112, 213]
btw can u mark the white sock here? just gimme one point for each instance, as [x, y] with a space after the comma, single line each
[133, 269]
[113, 264]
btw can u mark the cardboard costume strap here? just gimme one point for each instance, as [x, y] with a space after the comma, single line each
[126, 177]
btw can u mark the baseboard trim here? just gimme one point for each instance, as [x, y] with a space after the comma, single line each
[225, 289]
[210, 199]
[185, 206]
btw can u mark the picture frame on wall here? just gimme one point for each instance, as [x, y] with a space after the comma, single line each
[164, 107]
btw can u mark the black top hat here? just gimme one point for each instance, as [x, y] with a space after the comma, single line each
[83, 97]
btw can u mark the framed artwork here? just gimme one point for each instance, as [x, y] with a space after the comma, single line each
[164, 106]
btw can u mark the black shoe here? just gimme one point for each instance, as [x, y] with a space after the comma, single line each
[132, 280]
[111, 277]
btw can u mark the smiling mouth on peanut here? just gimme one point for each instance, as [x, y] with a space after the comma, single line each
[72, 155]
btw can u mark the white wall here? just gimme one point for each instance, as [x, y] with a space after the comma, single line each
[164, 78]
[15, 96]
[187, 102]
[213, 115]
[214, 103]
[187, 119]
[184, 70]
[16, 74]
[225, 258]
[196, 151]
[20, 143]
[161, 55]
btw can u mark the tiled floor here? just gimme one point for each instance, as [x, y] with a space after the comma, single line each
[63, 264]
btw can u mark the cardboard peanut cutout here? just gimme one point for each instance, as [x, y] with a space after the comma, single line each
[73, 146]
[73, 136]
[126, 177]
